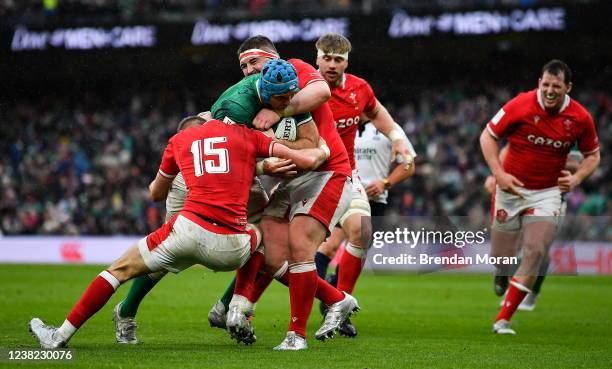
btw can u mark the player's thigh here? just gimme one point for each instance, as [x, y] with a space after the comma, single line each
[504, 243]
[358, 228]
[538, 235]
[324, 196]
[129, 265]
[258, 200]
[275, 241]
[359, 206]
[306, 233]
[331, 245]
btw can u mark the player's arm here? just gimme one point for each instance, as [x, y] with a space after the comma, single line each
[160, 187]
[168, 169]
[568, 181]
[306, 100]
[399, 174]
[588, 144]
[307, 137]
[490, 151]
[304, 159]
[490, 182]
[382, 120]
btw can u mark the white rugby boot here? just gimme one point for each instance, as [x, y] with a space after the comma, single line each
[336, 314]
[125, 328]
[45, 334]
[529, 302]
[239, 326]
[503, 326]
[217, 316]
[293, 342]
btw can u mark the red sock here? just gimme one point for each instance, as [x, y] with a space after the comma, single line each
[245, 277]
[326, 293]
[257, 289]
[350, 267]
[94, 297]
[516, 294]
[302, 288]
[284, 278]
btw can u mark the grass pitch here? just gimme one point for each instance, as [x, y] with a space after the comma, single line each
[407, 321]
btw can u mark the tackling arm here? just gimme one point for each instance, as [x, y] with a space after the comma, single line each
[308, 99]
[305, 159]
[307, 137]
[160, 187]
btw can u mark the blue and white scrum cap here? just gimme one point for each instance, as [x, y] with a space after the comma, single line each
[278, 77]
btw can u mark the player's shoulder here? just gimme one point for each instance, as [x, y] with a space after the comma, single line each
[577, 109]
[355, 83]
[523, 102]
[527, 97]
[299, 64]
[351, 79]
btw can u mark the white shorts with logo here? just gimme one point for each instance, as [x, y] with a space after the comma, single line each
[181, 243]
[511, 211]
[359, 200]
[324, 196]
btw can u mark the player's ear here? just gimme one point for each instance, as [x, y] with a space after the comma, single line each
[569, 87]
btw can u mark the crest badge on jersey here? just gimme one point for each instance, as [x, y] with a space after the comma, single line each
[501, 216]
[536, 119]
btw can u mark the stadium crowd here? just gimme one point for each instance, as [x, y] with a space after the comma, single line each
[83, 166]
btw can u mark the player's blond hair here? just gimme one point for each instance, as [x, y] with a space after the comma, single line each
[333, 43]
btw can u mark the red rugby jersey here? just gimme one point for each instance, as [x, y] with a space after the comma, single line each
[217, 161]
[338, 160]
[349, 99]
[539, 141]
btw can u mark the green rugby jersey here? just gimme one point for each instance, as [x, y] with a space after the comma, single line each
[241, 103]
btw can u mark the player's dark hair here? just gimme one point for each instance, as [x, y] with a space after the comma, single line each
[557, 67]
[189, 121]
[257, 42]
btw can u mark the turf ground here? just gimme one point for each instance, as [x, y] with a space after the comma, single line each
[407, 321]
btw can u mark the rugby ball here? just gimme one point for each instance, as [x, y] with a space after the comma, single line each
[285, 129]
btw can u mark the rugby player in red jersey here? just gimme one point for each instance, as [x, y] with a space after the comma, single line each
[252, 55]
[352, 97]
[310, 201]
[541, 126]
[217, 161]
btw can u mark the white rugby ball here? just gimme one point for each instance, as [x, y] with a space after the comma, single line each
[285, 129]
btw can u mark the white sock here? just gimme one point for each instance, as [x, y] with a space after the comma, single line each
[242, 303]
[357, 252]
[65, 332]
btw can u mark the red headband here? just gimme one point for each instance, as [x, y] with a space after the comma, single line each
[252, 53]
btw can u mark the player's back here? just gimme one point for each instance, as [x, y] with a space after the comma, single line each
[217, 161]
[240, 102]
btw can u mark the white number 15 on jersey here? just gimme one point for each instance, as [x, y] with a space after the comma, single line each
[207, 146]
